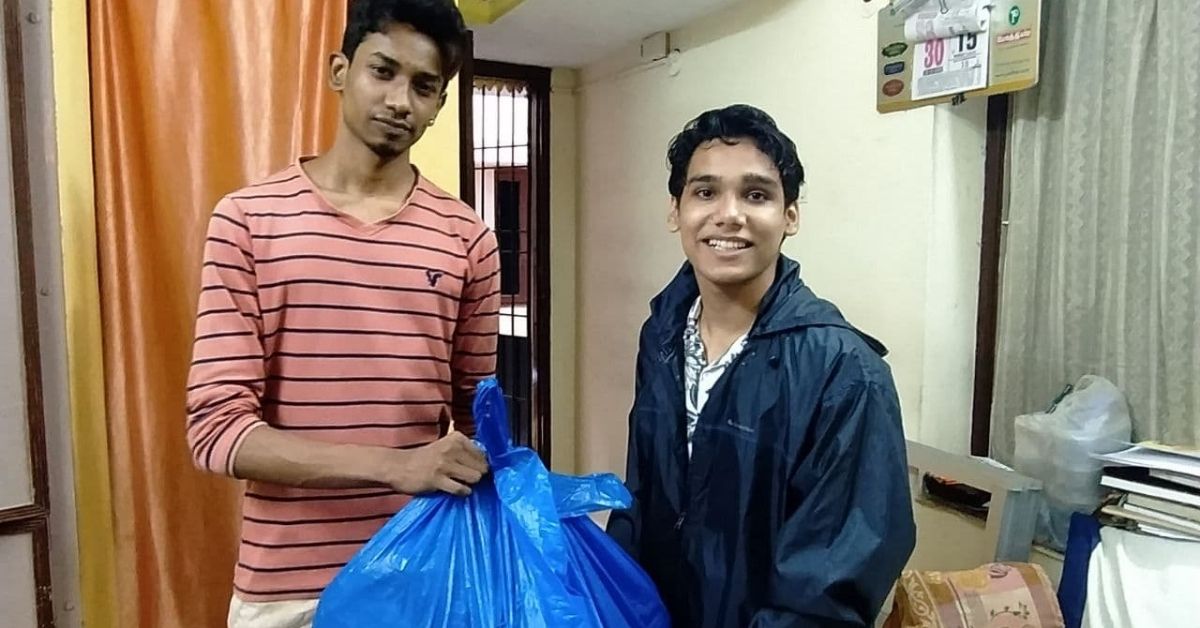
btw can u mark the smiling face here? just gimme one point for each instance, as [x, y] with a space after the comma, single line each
[392, 90]
[732, 215]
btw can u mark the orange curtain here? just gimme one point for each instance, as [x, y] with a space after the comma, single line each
[191, 99]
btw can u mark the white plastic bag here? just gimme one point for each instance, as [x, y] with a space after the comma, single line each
[1056, 447]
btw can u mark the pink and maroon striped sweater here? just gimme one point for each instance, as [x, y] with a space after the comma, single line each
[312, 322]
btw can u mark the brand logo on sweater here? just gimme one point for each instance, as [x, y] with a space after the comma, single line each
[433, 276]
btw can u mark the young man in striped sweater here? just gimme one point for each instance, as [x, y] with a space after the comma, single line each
[348, 307]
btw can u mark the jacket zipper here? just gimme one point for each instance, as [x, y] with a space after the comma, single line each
[732, 372]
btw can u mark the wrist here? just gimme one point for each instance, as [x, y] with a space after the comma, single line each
[367, 464]
[386, 466]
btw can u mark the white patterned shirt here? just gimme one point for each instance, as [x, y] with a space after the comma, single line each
[699, 375]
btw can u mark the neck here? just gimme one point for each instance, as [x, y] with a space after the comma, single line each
[351, 167]
[733, 309]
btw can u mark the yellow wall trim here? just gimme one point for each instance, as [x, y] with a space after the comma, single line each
[479, 12]
[81, 285]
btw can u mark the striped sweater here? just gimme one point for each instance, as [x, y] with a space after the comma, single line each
[312, 322]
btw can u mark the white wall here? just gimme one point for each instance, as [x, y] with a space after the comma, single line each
[890, 231]
[18, 589]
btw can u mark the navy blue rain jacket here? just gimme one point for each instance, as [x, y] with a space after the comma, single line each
[794, 509]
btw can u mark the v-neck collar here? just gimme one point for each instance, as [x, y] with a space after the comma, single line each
[368, 228]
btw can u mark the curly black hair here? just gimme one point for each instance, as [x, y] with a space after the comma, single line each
[729, 125]
[439, 20]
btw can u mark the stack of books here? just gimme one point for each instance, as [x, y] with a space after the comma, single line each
[1155, 489]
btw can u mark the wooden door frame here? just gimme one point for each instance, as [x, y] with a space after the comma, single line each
[466, 124]
[538, 79]
[990, 260]
[33, 518]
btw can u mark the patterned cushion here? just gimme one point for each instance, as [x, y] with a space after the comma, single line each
[997, 595]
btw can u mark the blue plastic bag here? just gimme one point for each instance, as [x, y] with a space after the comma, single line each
[519, 552]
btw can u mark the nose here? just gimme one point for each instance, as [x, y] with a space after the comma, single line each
[730, 211]
[397, 99]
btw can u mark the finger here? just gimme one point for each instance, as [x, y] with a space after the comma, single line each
[464, 473]
[476, 465]
[474, 452]
[474, 459]
[447, 485]
[449, 442]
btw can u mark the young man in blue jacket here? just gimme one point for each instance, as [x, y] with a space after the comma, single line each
[766, 451]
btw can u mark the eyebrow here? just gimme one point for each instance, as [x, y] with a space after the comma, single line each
[749, 179]
[384, 58]
[758, 179]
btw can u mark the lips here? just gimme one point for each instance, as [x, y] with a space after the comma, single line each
[394, 126]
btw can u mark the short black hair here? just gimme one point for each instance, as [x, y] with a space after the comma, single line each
[439, 20]
[729, 125]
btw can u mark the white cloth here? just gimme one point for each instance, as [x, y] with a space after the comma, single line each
[1136, 580]
[284, 614]
[699, 375]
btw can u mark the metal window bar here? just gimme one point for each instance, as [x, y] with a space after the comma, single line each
[502, 179]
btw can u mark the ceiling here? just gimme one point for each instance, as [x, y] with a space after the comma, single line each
[574, 33]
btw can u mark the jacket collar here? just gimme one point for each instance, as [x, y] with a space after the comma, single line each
[788, 305]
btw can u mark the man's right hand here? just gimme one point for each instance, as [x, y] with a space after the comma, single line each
[452, 465]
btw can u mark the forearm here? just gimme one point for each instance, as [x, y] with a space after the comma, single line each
[271, 455]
